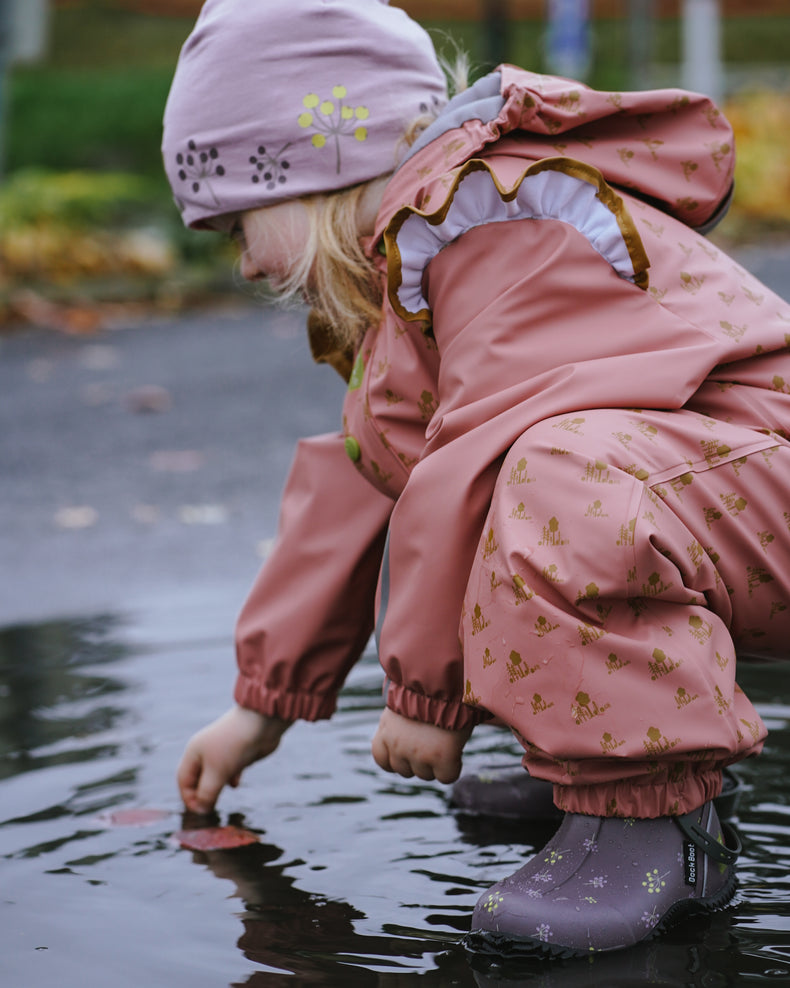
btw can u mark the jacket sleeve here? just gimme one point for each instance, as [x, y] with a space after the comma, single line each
[310, 612]
[531, 322]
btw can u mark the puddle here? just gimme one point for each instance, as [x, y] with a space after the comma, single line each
[356, 878]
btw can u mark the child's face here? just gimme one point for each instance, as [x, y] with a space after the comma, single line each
[271, 239]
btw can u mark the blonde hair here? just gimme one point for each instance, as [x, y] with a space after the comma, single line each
[334, 275]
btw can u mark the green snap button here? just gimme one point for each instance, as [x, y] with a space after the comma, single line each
[352, 449]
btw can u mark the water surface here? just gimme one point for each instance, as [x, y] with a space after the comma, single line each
[359, 878]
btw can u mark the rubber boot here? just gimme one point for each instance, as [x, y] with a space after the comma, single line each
[606, 883]
[509, 792]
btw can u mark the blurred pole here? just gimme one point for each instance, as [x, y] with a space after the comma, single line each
[568, 49]
[6, 21]
[23, 35]
[703, 71]
[641, 53]
[495, 20]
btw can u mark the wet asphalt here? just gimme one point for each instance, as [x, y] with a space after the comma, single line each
[141, 467]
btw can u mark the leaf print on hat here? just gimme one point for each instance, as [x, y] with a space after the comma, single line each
[197, 167]
[331, 118]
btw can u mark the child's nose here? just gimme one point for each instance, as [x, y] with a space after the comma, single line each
[249, 269]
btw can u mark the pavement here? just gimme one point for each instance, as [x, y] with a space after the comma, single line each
[141, 468]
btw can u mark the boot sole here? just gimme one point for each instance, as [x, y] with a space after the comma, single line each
[504, 947]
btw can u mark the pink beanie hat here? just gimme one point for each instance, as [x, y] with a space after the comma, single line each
[275, 99]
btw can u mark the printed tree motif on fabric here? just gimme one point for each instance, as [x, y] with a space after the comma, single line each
[270, 168]
[197, 167]
[332, 119]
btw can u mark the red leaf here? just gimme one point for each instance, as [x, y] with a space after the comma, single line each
[133, 818]
[215, 838]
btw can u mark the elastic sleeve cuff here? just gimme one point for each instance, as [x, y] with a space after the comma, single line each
[452, 715]
[283, 703]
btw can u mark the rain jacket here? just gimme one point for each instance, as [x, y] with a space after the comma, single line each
[543, 254]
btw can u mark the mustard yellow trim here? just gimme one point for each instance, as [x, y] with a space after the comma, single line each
[569, 166]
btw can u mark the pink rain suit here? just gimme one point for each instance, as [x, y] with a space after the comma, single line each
[572, 426]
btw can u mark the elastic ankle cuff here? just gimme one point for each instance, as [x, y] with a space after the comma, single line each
[658, 797]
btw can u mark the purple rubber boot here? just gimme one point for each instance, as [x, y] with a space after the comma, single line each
[605, 883]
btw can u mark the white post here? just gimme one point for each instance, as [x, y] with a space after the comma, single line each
[703, 71]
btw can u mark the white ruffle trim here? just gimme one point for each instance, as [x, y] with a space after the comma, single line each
[547, 194]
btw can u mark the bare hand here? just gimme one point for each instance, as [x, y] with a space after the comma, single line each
[409, 748]
[217, 754]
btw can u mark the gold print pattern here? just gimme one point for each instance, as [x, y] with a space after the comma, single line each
[588, 633]
[626, 534]
[539, 705]
[551, 574]
[755, 576]
[776, 608]
[469, 697]
[689, 167]
[714, 451]
[551, 534]
[392, 398]
[479, 622]
[721, 701]
[590, 592]
[595, 510]
[722, 661]
[543, 626]
[517, 668]
[711, 252]
[696, 554]
[753, 727]
[427, 405]
[765, 539]
[683, 698]
[383, 476]
[490, 545]
[614, 663]
[712, 114]
[624, 438]
[626, 154]
[736, 332]
[570, 425]
[597, 472]
[779, 384]
[657, 743]
[727, 299]
[521, 591]
[585, 709]
[752, 296]
[739, 464]
[691, 283]
[662, 665]
[733, 503]
[652, 146]
[711, 515]
[656, 228]
[488, 658]
[655, 586]
[609, 742]
[700, 629]
[518, 474]
[648, 431]
[718, 152]
[494, 582]
[519, 513]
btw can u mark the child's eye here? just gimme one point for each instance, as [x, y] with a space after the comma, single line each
[236, 235]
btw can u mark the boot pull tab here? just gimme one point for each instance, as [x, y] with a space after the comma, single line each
[706, 842]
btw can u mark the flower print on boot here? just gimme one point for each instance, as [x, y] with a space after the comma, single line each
[605, 883]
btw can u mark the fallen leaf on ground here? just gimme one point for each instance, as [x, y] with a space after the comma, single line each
[215, 838]
[79, 516]
[133, 817]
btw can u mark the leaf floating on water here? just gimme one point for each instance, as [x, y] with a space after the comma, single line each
[133, 817]
[215, 838]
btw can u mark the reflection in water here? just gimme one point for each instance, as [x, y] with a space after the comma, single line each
[359, 880]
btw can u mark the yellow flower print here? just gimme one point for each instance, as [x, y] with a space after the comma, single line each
[333, 119]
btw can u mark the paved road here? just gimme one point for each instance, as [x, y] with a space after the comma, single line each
[141, 469]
